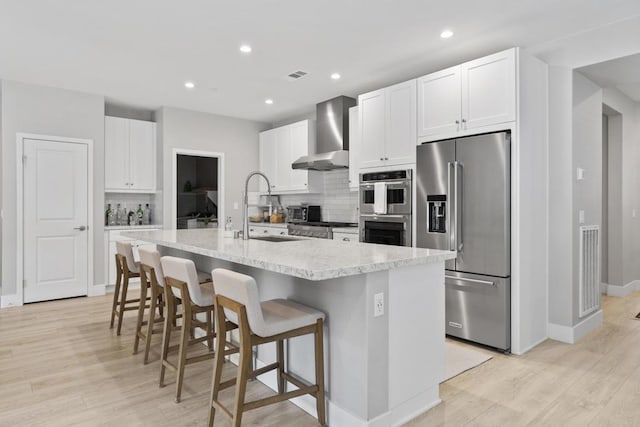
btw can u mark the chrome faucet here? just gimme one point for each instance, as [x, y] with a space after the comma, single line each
[245, 203]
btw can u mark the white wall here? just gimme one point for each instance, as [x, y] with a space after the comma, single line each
[587, 154]
[560, 199]
[236, 138]
[56, 112]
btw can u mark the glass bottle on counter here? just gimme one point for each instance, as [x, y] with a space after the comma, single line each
[119, 219]
[106, 214]
[139, 215]
[146, 215]
[131, 218]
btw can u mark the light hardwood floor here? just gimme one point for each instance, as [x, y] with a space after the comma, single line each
[61, 365]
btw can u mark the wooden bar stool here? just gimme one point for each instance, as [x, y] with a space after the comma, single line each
[237, 300]
[181, 281]
[126, 268]
[152, 279]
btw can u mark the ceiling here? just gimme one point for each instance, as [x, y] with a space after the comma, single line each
[140, 52]
[622, 74]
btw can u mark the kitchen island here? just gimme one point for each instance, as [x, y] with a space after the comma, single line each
[382, 369]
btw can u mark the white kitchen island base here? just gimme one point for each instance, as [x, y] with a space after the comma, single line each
[380, 371]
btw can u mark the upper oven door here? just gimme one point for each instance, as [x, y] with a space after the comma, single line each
[398, 197]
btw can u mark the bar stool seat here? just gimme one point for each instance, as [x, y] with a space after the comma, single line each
[237, 303]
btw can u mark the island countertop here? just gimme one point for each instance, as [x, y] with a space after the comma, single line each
[311, 259]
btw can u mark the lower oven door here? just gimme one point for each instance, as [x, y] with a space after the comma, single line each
[386, 229]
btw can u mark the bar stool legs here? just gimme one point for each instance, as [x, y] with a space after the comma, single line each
[156, 300]
[120, 301]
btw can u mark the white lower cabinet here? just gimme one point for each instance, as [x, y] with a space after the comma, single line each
[111, 237]
[346, 237]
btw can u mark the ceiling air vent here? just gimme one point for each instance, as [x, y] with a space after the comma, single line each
[297, 75]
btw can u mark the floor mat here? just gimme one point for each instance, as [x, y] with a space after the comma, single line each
[461, 357]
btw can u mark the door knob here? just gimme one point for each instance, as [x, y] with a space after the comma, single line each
[81, 228]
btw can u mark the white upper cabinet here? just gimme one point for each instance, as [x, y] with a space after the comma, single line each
[439, 102]
[371, 118]
[279, 148]
[130, 155]
[268, 158]
[473, 95]
[388, 126]
[116, 153]
[489, 90]
[400, 124]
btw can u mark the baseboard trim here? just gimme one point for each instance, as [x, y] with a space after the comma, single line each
[573, 334]
[623, 291]
[97, 290]
[7, 301]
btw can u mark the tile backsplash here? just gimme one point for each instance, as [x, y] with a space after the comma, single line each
[338, 202]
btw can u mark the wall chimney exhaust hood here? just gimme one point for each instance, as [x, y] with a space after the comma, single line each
[332, 136]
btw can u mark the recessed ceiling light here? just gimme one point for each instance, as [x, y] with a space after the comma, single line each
[245, 48]
[189, 85]
[446, 34]
[336, 76]
[268, 101]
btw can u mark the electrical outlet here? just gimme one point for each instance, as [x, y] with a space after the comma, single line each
[581, 217]
[378, 305]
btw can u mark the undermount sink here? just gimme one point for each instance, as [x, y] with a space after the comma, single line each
[274, 238]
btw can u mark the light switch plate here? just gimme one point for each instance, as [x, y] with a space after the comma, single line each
[235, 206]
[581, 217]
[580, 174]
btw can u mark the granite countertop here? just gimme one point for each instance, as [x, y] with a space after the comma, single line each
[312, 259]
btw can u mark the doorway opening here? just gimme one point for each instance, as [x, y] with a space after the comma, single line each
[198, 189]
[611, 240]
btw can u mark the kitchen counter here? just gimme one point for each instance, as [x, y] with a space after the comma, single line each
[311, 259]
[385, 330]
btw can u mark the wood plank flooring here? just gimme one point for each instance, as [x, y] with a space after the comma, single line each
[60, 365]
[593, 383]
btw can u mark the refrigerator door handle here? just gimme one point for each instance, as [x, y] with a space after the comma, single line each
[459, 183]
[452, 225]
[471, 281]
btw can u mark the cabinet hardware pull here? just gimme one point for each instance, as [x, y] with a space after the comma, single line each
[346, 239]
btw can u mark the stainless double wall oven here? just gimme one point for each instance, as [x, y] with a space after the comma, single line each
[385, 207]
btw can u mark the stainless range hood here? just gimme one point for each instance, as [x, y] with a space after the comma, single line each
[332, 136]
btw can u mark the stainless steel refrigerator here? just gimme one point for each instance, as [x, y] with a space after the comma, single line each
[464, 204]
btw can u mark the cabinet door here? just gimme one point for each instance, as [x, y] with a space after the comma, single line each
[439, 103]
[489, 90]
[268, 158]
[299, 134]
[400, 126]
[142, 149]
[116, 153]
[372, 123]
[283, 144]
[354, 149]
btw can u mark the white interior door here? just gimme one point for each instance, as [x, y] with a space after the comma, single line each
[55, 220]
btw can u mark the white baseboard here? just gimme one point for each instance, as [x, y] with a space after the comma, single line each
[573, 334]
[10, 301]
[623, 291]
[96, 290]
